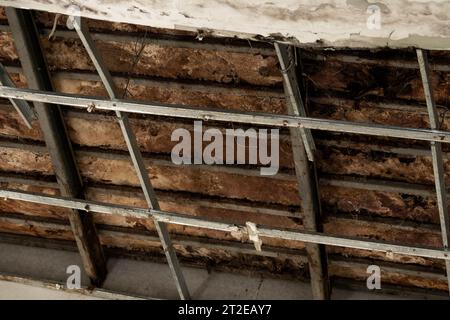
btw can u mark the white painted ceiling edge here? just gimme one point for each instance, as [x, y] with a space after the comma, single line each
[329, 23]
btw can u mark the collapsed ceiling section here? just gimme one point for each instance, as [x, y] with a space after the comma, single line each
[378, 188]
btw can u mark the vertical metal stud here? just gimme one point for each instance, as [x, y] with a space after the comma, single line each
[58, 144]
[303, 150]
[136, 156]
[436, 153]
[22, 107]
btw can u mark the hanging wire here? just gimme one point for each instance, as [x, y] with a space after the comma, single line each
[292, 57]
[55, 24]
[137, 57]
[444, 113]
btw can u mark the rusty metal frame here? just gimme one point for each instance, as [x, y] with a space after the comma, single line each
[227, 116]
[245, 117]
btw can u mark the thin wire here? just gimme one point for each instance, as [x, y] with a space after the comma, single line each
[292, 61]
[55, 24]
[444, 113]
[137, 57]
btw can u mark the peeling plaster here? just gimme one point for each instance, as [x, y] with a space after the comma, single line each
[337, 23]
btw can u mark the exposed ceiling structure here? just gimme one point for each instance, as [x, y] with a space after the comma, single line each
[363, 136]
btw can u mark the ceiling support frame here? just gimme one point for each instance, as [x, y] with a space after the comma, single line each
[303, 150]
[236, 230]
[255, 118]
[133, 148]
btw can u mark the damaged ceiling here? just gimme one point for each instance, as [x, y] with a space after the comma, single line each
[370, 187]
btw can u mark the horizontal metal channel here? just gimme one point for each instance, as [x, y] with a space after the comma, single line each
[174, 218]
[22, 107]
[227, 116]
